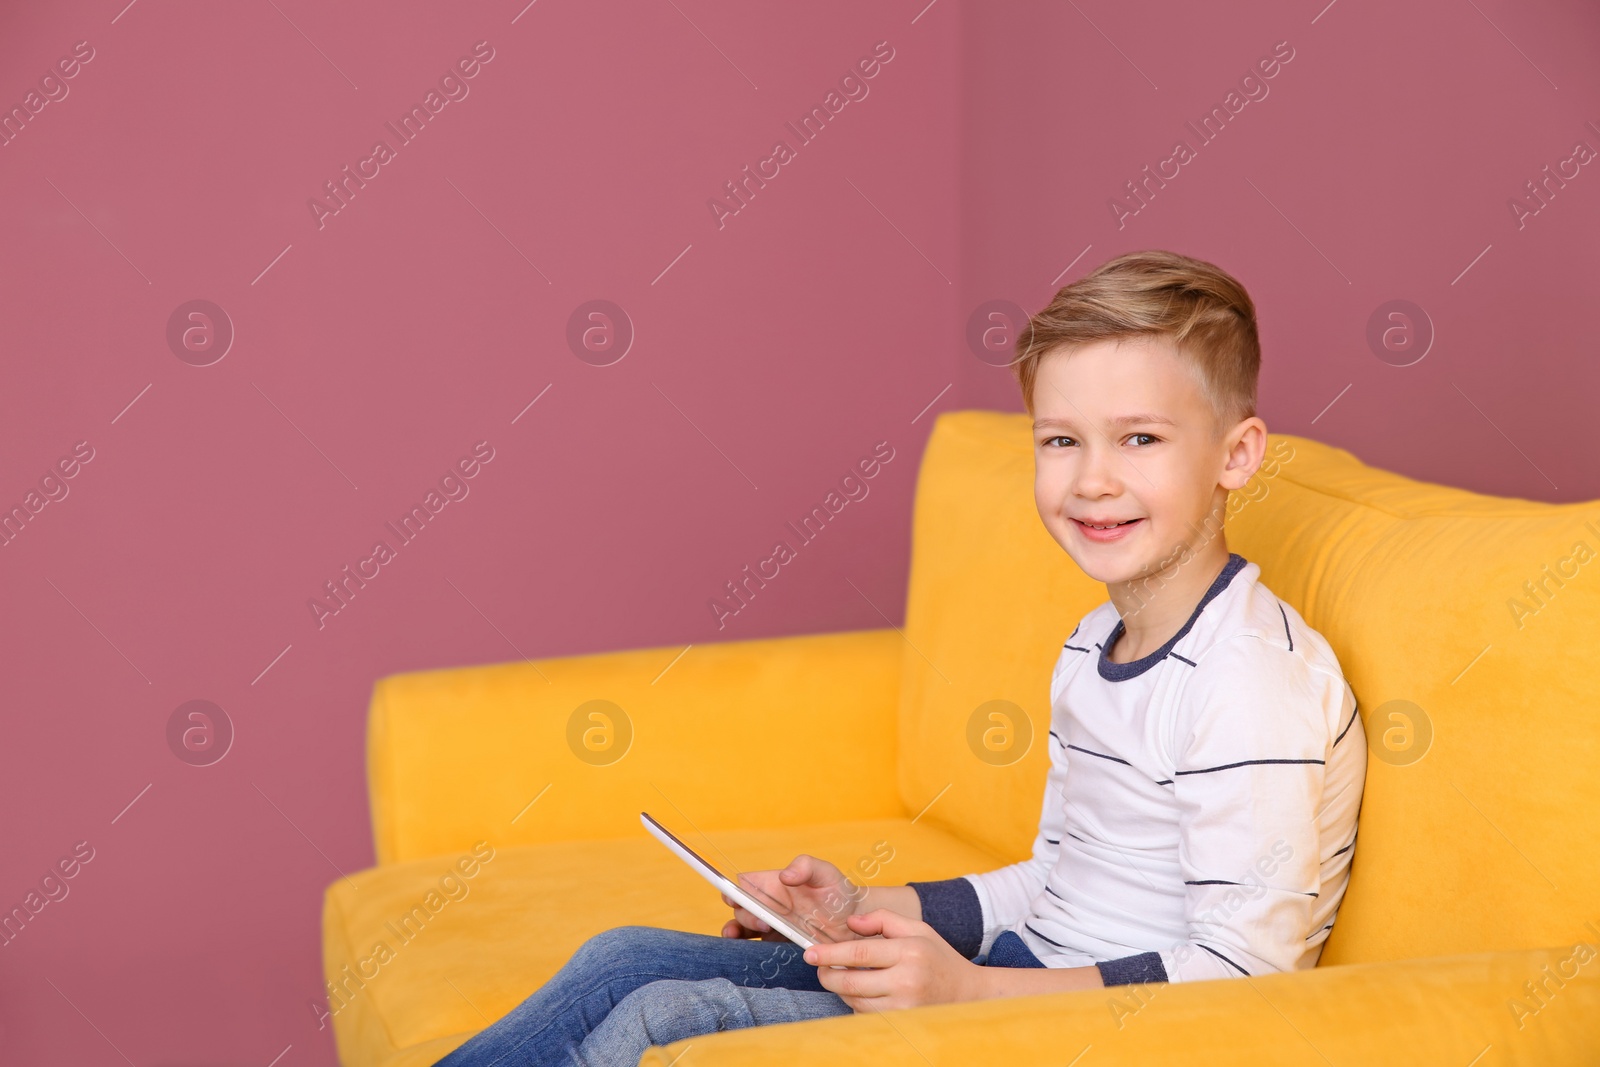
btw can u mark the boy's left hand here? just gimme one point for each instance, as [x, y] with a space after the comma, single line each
[911, 965]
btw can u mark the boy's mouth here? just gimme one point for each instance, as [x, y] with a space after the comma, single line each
[1106, 532]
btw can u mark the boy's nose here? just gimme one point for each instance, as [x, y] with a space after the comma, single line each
[1096, 474]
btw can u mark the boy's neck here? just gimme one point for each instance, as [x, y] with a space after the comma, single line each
[1155, 606]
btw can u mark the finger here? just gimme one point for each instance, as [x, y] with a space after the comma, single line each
[750, 922]
[763, 887]
[862, 985]
[873, 952]
[867, 924]
[862, 1005]
[857, 1002]
[888, 923]
[744, 925]
[828, 980]
[798, 872]
[806, 870]
[744, 918]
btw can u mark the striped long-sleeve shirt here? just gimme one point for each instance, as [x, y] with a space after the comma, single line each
[1200, 811]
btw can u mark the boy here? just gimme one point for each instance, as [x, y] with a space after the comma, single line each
[1207, 822]
[1206, 757]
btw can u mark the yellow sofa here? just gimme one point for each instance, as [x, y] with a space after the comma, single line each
[505, 800]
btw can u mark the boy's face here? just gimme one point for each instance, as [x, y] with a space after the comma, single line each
[1122, 431]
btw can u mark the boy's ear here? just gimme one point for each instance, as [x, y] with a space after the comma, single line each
[1245, 446]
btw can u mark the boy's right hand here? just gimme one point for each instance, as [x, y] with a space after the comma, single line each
[811, 887]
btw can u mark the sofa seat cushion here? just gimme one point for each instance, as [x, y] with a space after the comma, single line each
[424, 955]
[1468, 1010]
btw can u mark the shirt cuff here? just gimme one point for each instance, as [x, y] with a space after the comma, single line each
[1133, 970]
[951, 907]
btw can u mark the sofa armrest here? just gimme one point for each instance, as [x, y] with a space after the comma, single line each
[729, 735]
[1448, 1009]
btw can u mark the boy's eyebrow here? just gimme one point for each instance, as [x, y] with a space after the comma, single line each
[1120, 420]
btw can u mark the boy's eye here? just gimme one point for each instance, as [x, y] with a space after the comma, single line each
[1051, 441]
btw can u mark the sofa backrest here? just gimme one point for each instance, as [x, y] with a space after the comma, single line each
[1467, 625]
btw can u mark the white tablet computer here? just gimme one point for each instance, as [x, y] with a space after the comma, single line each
[797, 928]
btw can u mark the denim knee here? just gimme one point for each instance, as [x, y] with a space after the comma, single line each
[619, 945]
[671, 1010]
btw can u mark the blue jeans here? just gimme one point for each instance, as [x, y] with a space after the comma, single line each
[635, 986]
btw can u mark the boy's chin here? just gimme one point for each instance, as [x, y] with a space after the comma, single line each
[1103, 566]
[1111, 565]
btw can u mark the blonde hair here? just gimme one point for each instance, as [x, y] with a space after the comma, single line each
[1199, 307]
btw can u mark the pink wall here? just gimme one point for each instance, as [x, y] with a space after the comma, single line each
[1377, 165]
[771, 352]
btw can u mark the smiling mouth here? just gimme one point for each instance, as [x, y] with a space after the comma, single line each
[1112, 534]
